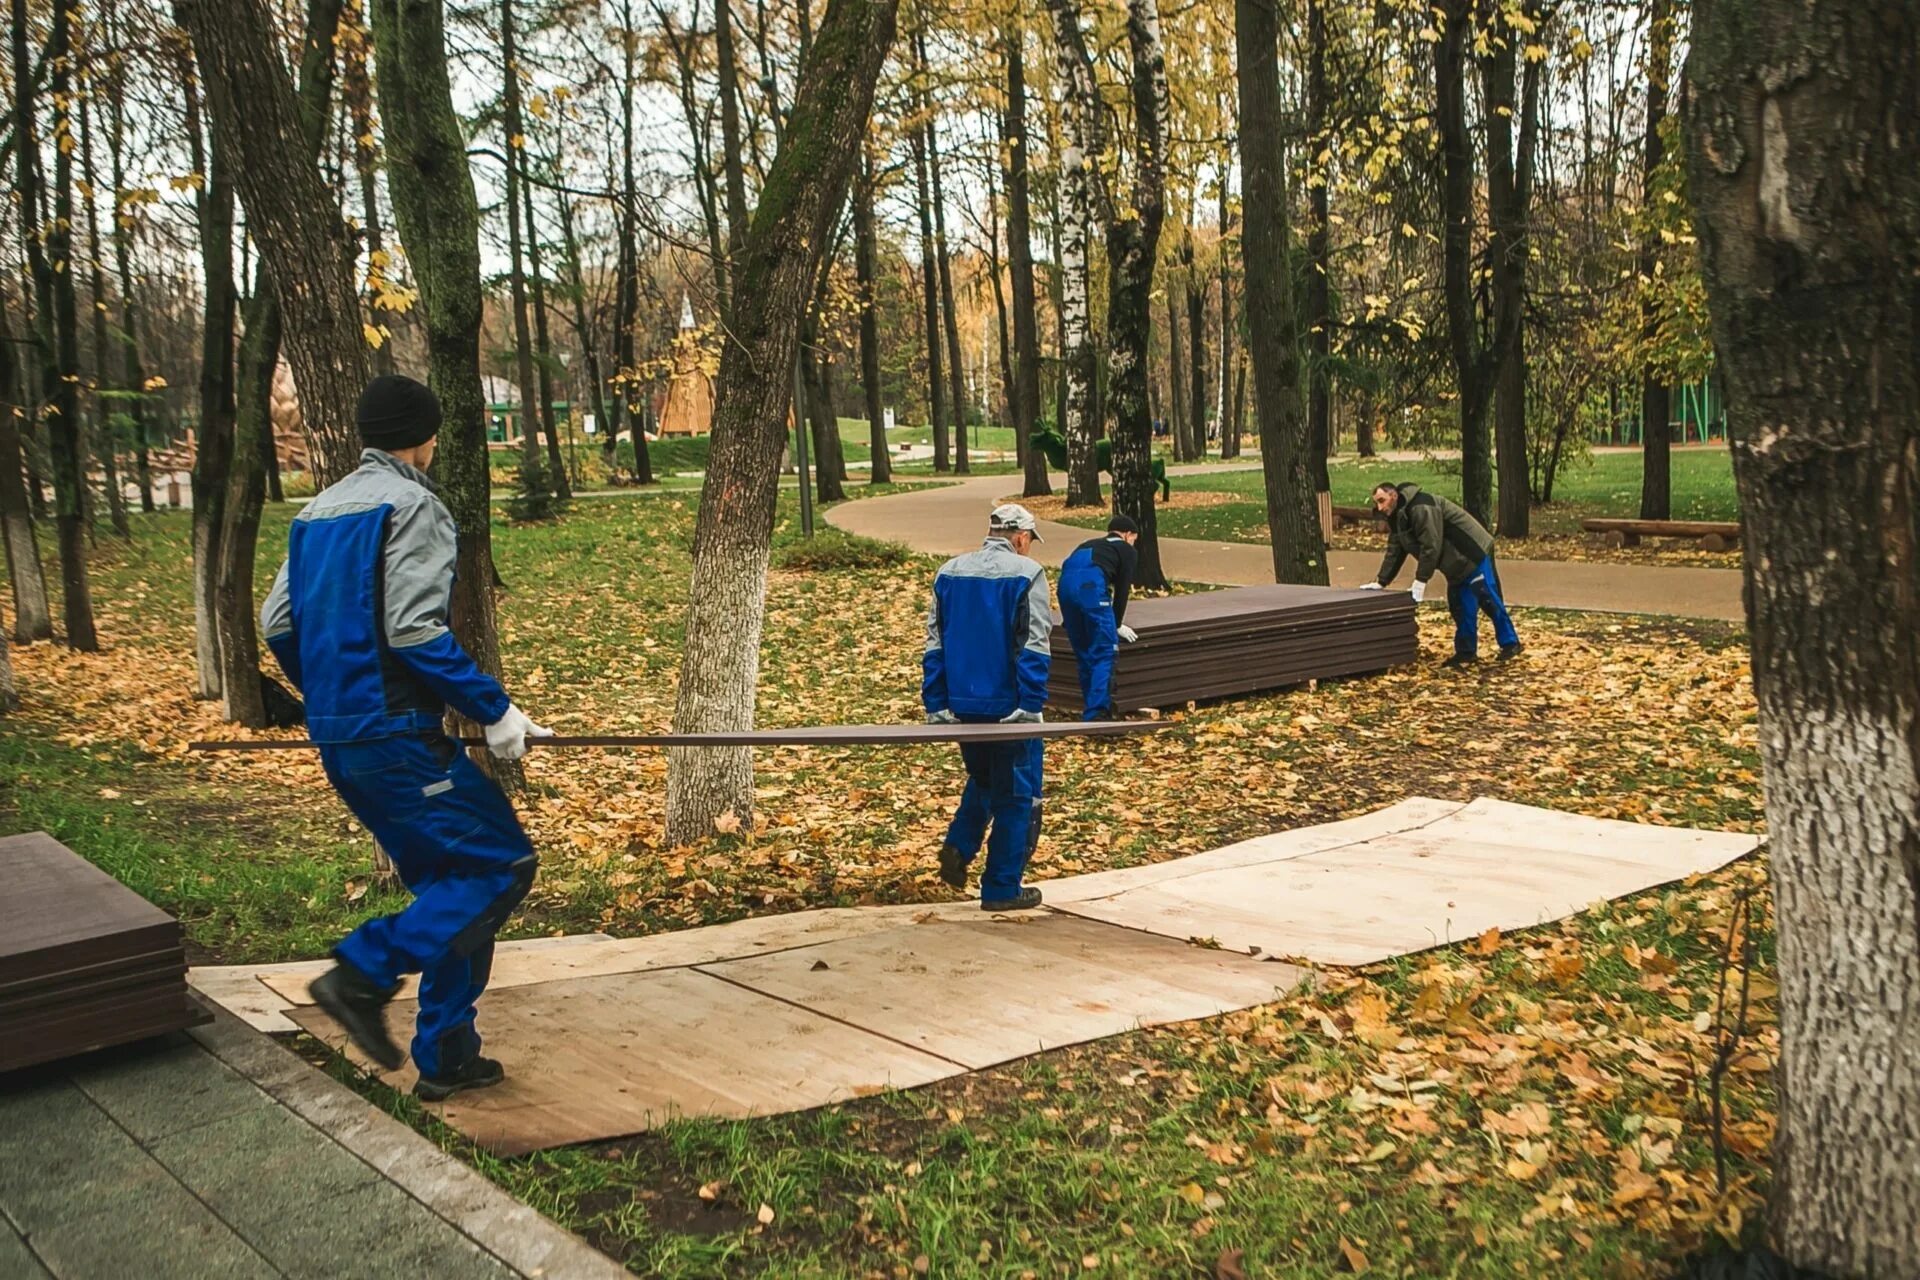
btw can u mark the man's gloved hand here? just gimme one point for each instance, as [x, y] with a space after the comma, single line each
[942, 716]
[1127, 634]
[1419, 592]
[1370, 586]
[1021, 717]
[507, 736]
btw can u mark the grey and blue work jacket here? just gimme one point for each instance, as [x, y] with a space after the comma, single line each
[358, 614]
[987, 634]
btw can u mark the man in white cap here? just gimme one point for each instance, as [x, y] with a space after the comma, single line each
[986, 662]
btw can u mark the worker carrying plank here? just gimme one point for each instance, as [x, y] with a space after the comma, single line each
[1442, 535]
[986, 661]
[1094, 585]
[358, 620]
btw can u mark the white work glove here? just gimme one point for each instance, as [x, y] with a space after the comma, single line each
[1021, 717]
[507, 736]
[1418, 591]
[1127, 634]
[942, 716]
[1371, 586]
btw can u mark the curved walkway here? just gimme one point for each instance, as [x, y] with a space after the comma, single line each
[951, 519]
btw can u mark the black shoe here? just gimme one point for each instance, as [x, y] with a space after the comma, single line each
[1460, 660]
[953, 866]
[351, 999]
[478, 1073]
[1029, 899]
[1514, 650]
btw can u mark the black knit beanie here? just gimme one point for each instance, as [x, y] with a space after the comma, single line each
[395, 412]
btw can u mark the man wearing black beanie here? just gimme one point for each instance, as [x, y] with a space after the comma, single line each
[1094, 584]
[358, 620]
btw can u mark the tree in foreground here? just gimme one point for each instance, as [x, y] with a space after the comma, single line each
[774, 276]
[1804, 164]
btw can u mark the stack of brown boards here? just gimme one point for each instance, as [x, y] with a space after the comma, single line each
[1214, 644]
[85, 962]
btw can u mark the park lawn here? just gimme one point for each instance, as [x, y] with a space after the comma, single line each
[1300, 1117]
[1230, 505]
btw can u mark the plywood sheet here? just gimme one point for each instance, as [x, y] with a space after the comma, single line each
[591, 1058]
[1415, 889]
[988, 990]
[1277, 846]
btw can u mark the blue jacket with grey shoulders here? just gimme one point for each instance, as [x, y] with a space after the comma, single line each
[987, 634]
[358, 614]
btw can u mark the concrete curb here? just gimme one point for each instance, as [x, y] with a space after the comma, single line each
[530, 1244]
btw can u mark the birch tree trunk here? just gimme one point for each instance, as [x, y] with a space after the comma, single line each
[1076, 225]
[1273, 336]
[213, 453]
[774, 283]
[1804, 169]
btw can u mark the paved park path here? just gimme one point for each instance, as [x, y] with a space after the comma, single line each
[951, 519]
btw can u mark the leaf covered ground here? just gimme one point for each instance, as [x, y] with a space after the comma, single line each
[1523, 1105]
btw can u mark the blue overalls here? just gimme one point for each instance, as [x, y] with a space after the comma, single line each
[1086, 609]
[987, 656]
[1465, 600]
[358, 620]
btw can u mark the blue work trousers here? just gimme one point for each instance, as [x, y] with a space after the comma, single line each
[458, 847]
[1466, 599]
[1086, 607]
[1003, 788]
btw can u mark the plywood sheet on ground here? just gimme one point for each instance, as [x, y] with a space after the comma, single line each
[988, 990]
[599, 1057]
[1486, 865]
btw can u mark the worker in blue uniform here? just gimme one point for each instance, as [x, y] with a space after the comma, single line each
[1094, 585]
[357, 618]
[986, 661]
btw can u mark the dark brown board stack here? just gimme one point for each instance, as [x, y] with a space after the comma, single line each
[1214, 644]
[85, 962]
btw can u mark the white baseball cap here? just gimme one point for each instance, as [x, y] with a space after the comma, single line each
[1011, 517]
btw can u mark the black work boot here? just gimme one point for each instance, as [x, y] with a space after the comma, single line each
[476, 1073]
[352, 999]
[1460, 660]
[953, 866]
[1029, 899]
[1509, 651]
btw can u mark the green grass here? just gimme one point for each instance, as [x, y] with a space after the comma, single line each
[1603, 484]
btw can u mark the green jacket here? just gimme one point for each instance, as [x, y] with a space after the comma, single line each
[1437, 533]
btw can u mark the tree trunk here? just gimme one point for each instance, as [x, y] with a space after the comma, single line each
[627, 297]
[1472, 360]
[1507, 248]
[213, 454]
[1804, 169]
[930, 286]
[1656, 397]
[438, 221]
[357, 97]
[956, 375]
[1023, 402]
[1273, 338]
[294, 217]
[543, 348]
[774, 278]
[106, 433]
[9, 693]
[1319, 255]
[55, 323]
[731, 159]
[1196, 353]
[123, 227]
[1079, 423]
[32, 618]
[1229, 421]
[1175, 401]
[533, 482]
[865, 252]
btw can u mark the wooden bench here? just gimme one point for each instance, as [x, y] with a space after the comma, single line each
[1344, 516]
[1712, 535]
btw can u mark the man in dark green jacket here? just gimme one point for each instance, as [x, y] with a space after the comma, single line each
[1441, 535]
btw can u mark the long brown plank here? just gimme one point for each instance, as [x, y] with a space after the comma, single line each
[835, 735]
